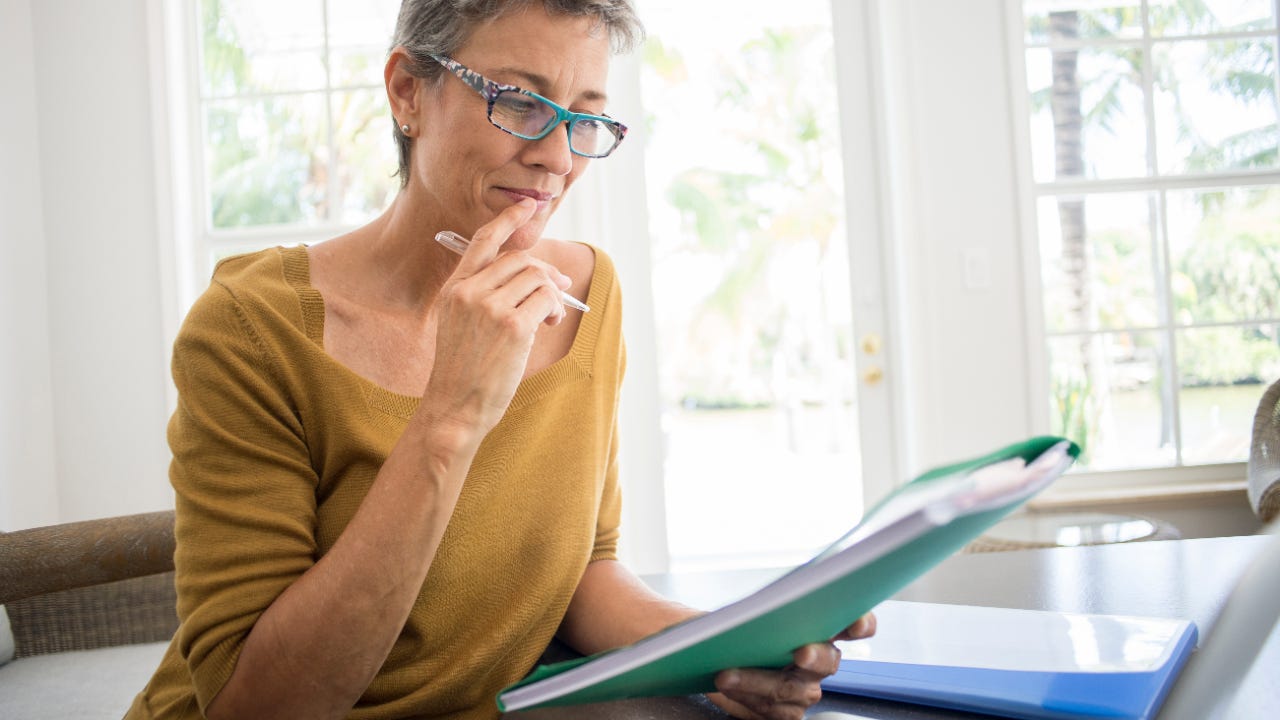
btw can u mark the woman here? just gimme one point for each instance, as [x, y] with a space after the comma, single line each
[395, 468]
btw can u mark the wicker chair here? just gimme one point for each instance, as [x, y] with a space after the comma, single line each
[89, 584]
[102, 586]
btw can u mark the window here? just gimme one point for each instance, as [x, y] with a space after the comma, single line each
[751, 281]
[1156, 182]
[294, 138]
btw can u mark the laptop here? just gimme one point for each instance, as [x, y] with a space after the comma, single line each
[1208, 684]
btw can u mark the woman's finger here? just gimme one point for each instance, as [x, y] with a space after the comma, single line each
[816, 660]
[864, 628]
[780, 694]
[488, 239]
[533, 295]
[508, 266]
[519, 282]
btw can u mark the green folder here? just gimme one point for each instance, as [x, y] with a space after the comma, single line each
[914, 528]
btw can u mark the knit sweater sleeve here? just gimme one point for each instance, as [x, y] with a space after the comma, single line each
[609, 517]
[611, 354]
[245, 489]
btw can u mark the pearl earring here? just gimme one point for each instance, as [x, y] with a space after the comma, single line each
[405, 128]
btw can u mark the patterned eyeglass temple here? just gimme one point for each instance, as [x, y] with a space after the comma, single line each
[490, 90]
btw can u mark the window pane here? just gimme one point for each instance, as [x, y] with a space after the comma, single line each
[751, 284]
[1115, 264]
[1049, 20]
[265, 161]
[1209, 16]
[359, 37]
[365, 159]
[1224, 373]
[1087, 113]
[1097, 267]
[1107, 393]
[1216, 105]
[250, 47]
[1225, 253]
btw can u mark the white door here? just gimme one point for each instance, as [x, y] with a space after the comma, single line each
[772, 351]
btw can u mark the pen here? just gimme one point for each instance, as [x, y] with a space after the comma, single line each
[458, 244]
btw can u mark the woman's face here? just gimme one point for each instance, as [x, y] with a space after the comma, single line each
[468, 170]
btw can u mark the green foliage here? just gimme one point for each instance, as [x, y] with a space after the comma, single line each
[1106, 22]
[717, 205]
[1229, 356]
[1074, 412]
[776, 200]
[222, 55]
[1230, 271]
[289, 157]
[1118, 259]
[1194, 16]
[664, 61]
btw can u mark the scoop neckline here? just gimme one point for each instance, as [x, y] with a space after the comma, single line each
[575, 365]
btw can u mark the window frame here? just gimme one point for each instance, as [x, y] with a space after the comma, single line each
[1141, 482]
[199, 243]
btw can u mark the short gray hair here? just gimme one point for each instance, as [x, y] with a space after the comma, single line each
[439, 27]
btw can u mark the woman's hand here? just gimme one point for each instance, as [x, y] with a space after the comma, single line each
[489, 311]
[754, 694]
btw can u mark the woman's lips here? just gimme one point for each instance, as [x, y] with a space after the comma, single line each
[517, 194]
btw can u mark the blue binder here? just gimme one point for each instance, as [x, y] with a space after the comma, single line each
[1017, 663]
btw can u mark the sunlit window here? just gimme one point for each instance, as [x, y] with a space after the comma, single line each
[1154, 146]
[292, 115]
[750, 277]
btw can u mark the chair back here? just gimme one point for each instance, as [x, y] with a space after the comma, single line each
[89, 584]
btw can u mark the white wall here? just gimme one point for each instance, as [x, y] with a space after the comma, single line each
[88, 301]
[955, 194]
[28, 494]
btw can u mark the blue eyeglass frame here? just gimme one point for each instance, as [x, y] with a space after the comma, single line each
[490, 90]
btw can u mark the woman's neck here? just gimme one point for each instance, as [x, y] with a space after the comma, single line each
[392, 261]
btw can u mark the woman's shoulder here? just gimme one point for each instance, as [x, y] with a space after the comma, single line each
[582, 262]
[260, 268]
[256, 283]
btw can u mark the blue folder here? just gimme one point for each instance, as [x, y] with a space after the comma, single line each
[1017, 663]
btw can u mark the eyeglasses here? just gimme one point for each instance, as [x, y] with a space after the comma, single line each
[530, 116]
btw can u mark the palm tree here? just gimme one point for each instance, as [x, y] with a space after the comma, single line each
[1240, 69]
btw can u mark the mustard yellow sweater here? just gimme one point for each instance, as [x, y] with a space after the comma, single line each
[275, 445]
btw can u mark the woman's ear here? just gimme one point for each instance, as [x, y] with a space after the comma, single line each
[402, 87]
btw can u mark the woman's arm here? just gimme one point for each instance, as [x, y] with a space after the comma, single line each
[612, 608]
[313, 652]
[316, 648]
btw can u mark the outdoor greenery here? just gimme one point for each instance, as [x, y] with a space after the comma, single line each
[773, 209]
[285, 146]
[1216, 110]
